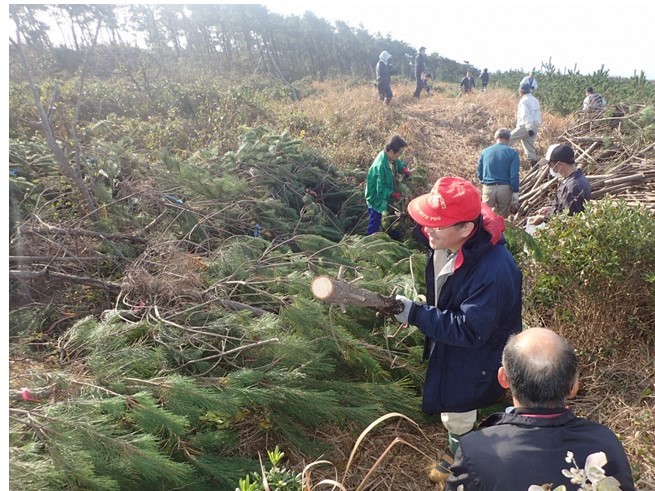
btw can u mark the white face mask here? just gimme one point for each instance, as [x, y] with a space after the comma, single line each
[554, 174]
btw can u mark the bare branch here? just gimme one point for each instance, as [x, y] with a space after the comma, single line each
[49, 230]
[113, 288]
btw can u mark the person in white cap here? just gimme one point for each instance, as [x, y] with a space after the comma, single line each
[383, 77]
[572, 192]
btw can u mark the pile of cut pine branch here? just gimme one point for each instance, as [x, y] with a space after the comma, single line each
[617, 158]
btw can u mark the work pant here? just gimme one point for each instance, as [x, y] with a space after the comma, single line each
[521, 134]
[458, 424]
[498, 196]
[384, 90]
[419, 86]
[374, 221]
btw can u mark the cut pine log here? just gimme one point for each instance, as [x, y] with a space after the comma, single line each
[340, 292]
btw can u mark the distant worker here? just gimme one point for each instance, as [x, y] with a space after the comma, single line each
[383, 77]
[498, 171]
[468, 83]
[528, 444]
[419, 69]
[572, 192]
[593, 104]
[427, 83]
[484, 79]
[530, 80]
[528, 122]
[381, 181]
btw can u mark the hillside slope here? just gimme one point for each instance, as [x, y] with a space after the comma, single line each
[445, 130]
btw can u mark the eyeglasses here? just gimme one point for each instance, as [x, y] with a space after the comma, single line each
[447, 226]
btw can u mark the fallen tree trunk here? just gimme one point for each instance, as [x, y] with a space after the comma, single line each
[340, 292]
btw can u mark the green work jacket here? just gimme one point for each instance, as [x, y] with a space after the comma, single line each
[380, 182]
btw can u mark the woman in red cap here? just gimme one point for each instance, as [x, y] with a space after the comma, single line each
[473, 306]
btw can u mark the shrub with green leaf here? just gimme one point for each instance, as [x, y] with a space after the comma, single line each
[596, 273]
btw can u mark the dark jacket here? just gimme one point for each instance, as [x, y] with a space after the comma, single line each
[467, 83]
[419, 63]
[572, 193]
[479, 308]
[528, 446]
[383, 74]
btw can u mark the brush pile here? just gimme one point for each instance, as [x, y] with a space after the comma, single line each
[614, 151]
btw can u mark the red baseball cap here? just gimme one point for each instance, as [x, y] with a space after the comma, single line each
[452, 200]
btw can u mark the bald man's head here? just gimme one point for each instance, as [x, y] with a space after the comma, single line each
[541, 368]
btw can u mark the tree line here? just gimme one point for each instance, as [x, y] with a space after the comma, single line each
[225, 39]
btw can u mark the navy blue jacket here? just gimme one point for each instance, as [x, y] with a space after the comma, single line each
[572, 192]
[529, 446]
[419, 63]
[479, 308]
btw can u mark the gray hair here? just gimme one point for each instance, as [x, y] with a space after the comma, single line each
[543, 381]
[503, 134]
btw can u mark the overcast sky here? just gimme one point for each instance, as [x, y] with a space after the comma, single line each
[503, 36]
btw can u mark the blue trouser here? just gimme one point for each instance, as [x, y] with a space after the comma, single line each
[374, 221]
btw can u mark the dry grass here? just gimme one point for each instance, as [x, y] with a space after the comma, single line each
[411, 451]
[617, 368]
[446, 131]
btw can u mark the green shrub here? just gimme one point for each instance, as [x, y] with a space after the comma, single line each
[596, 272]
[561, 92]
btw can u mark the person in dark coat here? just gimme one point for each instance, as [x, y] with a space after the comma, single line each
[468, 83]
[473, 305]
[419, 69]
[383, 77]
[574, 189]
[532, 442]
[484, 79]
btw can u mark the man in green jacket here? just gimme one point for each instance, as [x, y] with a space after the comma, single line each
[381, 182]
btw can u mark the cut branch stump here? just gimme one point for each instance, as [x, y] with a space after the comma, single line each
[340, 292]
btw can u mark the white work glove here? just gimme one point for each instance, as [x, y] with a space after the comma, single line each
[403, 317]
